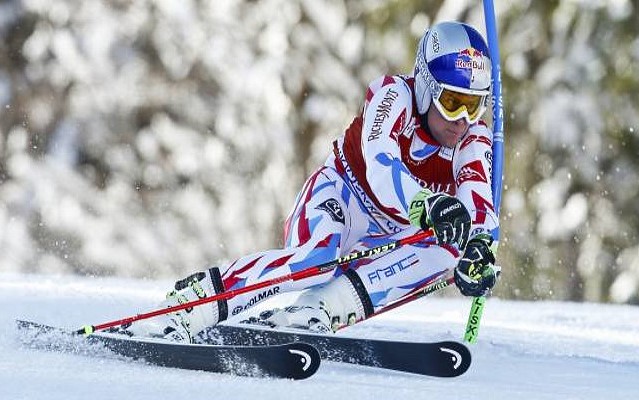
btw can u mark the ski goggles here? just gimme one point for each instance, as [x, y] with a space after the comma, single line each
[454, 104]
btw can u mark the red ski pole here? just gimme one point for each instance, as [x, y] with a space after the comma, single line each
[295, 276]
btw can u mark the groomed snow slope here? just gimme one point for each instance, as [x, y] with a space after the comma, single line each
[527, 350]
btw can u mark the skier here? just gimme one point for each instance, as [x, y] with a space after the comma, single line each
[417, 157]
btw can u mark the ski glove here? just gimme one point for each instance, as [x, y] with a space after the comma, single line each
[448, 217]
[476, 273]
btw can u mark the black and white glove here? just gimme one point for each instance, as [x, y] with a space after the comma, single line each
[476, 273]
[448, 217]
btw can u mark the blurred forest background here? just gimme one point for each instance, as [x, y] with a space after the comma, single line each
[150, 138]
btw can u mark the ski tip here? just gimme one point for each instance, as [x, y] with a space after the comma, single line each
[22, 324]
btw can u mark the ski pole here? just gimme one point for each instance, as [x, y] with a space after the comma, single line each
[477, 306]
[474, 318]
[294, 276]
[433, 286]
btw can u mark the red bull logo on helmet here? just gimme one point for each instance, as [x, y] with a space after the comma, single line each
[470, 58]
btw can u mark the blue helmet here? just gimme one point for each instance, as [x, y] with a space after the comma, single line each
[453, 57]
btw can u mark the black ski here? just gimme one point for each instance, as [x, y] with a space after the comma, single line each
[440, 359]
[284, 360]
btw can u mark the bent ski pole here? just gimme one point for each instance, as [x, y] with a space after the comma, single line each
[295, 276]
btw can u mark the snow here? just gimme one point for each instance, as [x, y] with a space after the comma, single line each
[526, 350]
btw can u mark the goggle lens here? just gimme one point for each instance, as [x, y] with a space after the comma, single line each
[453, 104]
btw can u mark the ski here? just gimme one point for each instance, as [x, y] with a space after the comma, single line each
[438, 359]
[283, 360]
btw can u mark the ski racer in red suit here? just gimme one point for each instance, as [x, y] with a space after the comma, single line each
[417, 157]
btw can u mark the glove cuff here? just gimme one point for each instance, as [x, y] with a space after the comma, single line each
[417, 213]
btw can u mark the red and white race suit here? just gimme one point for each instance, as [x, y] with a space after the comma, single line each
[360, 197]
